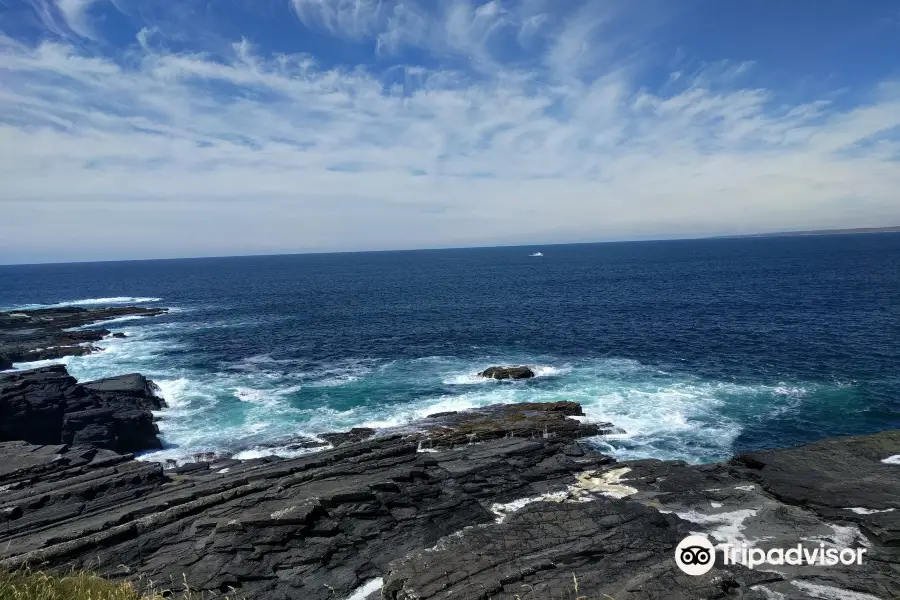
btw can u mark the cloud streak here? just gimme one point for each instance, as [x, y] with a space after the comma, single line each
[148, 151]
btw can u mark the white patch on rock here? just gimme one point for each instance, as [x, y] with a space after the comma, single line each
[608, 483]
[280, 514]
[726, 527]
[770, 594]
[826, 592]
[843, 537]
[716, 504]
[423, 450]
[503, 510]
[225, 470]
[363, 592]
[892, 460]
[588, 483]
[445, 541]
[745, 488]
[870, 511]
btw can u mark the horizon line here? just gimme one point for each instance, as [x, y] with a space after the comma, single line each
[788, 233]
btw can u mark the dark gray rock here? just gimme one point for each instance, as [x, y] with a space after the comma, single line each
[523, 420]
[47, 406]
[530, 517]
[45, 334]
[600, 549]
[119, 335]
[32, 404]
[133, 390]
[313, 527]
[357, 434]
[507, 373]
[834, 476]
[454, 428]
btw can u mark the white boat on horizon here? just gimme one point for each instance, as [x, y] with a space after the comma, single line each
[538, 254]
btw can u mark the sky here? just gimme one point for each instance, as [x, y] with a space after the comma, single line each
[162, 128]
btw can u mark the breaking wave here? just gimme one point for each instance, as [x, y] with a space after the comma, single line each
[87, 302]
[255, 405]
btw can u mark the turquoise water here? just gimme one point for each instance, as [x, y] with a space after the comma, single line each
[695, 348]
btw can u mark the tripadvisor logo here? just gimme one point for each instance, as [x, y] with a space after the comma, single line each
[695, 555]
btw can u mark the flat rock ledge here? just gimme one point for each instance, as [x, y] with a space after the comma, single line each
[51, 333]
[511, 517]
[531, 420]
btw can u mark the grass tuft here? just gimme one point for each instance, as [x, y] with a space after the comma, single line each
[36, 585]
[84, 585]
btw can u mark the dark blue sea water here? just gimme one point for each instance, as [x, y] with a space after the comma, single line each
[696, 348]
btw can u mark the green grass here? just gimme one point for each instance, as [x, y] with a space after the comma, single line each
[83, 585]
[35, 585]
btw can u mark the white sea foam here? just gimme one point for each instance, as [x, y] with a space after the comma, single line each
[264, 397]
[870, 511]
[367, 590]
[550, 371]
[173, 391]
[283, 452]
[892, 460]
[727, 527]
[115, 320]
[659, 418]
[36, 364]
[88, 302]
[467, 379]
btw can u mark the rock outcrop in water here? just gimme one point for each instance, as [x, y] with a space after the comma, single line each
[507, 373]
[522, 420]
[526, 513]
[47, 406]
[47, 333]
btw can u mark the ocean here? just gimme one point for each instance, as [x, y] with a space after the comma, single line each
[698, 349]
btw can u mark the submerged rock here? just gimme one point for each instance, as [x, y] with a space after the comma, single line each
[507, 373]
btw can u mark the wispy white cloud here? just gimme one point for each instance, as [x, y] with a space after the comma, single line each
[181, 153]
[75, 14]
[357, 19]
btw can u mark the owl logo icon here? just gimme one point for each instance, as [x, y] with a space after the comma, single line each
[695, 555]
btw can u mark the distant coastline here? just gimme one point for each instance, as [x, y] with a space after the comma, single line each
[858, 230]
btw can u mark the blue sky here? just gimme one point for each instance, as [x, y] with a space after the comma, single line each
[150, 128]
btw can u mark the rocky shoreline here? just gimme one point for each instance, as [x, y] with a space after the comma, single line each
[49, 333]
[508, 502]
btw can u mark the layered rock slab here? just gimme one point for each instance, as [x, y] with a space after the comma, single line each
[313, 527]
